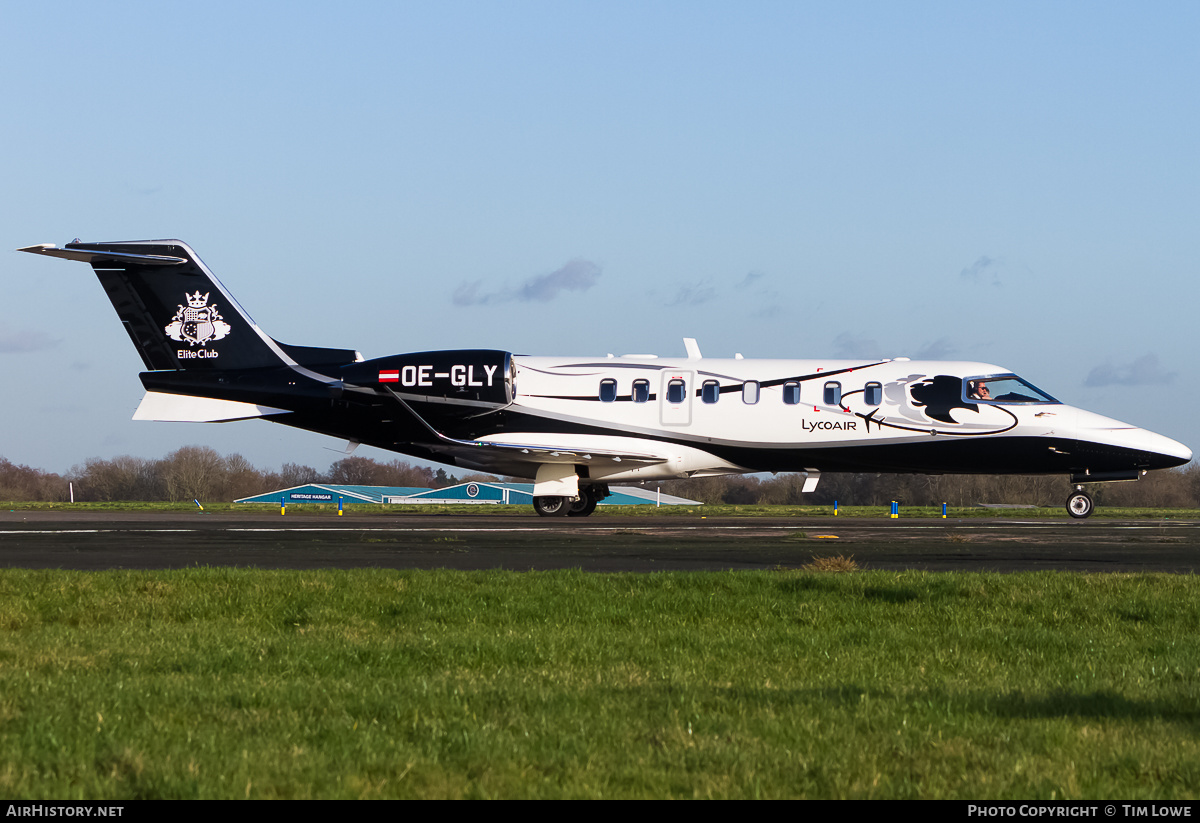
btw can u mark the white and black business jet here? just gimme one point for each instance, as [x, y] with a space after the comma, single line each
[575, 424]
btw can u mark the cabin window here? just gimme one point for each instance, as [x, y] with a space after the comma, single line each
[750, 392]
[676, 391]
[833, 393]
[791, 394]
[641, 391]
[608, 390]
[710, 392]
[873, 394]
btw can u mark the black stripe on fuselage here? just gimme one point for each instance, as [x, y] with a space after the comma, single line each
[995, 454]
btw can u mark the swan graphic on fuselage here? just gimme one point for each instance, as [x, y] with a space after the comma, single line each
[575, 425]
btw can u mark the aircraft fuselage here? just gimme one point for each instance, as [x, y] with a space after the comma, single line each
[791, 415]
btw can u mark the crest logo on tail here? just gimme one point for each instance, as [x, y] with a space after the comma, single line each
[197, 323]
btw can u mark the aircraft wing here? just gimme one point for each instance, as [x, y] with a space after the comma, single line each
[474, 450]
[527, 459]
[489, 453]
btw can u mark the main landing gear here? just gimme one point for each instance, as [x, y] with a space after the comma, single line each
[582, 506]
[1079, 504]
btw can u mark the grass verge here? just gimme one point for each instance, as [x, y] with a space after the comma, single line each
[220, 683]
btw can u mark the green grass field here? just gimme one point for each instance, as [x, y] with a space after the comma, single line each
[218, 683]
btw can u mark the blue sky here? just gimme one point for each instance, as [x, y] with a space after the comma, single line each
[1015, 183]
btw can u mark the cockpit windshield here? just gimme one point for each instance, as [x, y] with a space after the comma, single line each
[1003, 388]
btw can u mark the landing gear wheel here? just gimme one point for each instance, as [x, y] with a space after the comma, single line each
[549, 506]
[585, 505]
[1079, 505]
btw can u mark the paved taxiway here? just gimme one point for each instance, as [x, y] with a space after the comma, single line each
[136, 540]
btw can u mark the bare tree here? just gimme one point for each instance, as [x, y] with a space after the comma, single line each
[19, 482]
[122, 478]
[293, 474]
[194, 472]
[241, 478]
[403, 473]
[357, 471]
[200, 472]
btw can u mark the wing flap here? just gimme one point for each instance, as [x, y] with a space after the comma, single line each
[485, 451]
[531, 453]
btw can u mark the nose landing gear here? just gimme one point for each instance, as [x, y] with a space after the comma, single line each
[1079, 504]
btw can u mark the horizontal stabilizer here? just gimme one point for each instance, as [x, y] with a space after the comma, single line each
[89, 256]
[182, 408]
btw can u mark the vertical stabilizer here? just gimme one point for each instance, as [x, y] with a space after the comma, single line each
[177, 313]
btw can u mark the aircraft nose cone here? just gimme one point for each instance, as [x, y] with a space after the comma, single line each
[1162, 452]
[1173, 449]
[1167, 452]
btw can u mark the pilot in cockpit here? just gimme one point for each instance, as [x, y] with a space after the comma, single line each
[978, 390]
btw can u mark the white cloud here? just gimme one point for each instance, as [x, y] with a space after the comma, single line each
[693, 295]
[21, 341]
[1144, 371]
[985, 270]
[940, 349]
[854, 346]
[576, 275]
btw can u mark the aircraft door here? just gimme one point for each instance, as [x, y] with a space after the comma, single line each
[676, 397]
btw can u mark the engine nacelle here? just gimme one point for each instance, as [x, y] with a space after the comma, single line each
[481, 375]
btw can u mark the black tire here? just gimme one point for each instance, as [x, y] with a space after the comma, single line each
[548, 506]
[585, 505]
[1079, 505]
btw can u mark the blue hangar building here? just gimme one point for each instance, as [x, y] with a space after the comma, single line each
[475, 492]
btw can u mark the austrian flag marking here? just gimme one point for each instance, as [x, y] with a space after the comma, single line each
[389, 376]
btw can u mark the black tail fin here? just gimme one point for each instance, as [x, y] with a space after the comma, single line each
[178, 314]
